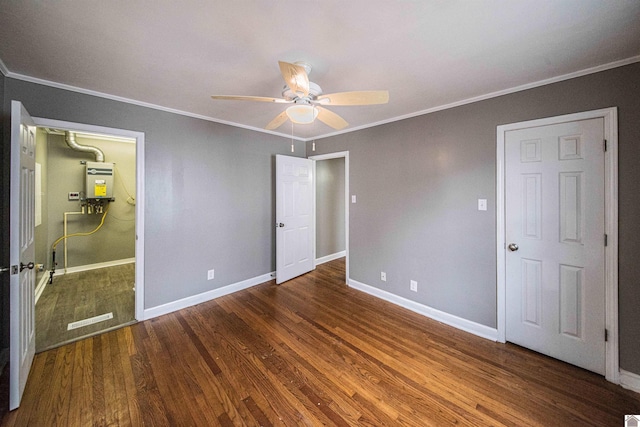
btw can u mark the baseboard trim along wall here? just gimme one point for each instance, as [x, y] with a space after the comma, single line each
[630, 381]
[446, 318]
[330, 257]
[205, 296]
[41, 285]
[88, 267]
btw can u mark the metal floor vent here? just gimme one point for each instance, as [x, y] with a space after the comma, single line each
[89, 321]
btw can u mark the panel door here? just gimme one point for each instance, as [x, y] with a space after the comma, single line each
[555, 284]
[22, 251]
[295, 223]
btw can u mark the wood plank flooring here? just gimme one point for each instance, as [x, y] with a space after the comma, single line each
[78, 296]
[308, 352]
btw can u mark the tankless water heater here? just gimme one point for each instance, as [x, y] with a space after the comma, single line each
[99, 180]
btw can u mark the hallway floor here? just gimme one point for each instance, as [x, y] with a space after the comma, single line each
[79, 296]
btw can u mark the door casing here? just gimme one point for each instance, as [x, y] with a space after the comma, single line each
[337, 155]
[612, 369]
[139, 208]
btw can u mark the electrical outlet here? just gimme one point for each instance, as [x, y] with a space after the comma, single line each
[211, 274]
[383, 276]
[414, 286]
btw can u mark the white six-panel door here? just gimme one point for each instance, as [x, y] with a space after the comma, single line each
[22, 251]
[295, 223]
[554, 220]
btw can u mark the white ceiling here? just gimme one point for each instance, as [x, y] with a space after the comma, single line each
[428, 54]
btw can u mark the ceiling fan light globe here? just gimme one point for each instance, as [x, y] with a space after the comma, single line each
[302, 114]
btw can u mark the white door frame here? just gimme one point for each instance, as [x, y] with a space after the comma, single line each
[337, 155]
[139, 248]
[610, 116]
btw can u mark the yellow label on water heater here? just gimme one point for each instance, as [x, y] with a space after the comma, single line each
[100, 190]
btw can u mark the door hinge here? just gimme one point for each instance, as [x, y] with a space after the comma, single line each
[605, 144]
[606, 240]
[606, 335]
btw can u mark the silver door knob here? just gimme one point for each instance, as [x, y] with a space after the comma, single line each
[513, 247]
[29, 266]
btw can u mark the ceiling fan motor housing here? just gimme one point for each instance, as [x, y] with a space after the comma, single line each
[314, 92]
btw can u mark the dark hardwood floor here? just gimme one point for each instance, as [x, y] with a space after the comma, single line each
[78, 296]
[308, 352]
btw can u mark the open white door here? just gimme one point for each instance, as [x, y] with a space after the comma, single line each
[295, 224]
[22, 253]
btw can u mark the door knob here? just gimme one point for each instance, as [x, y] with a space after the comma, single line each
[279, 224]
[29, 266]
[513, 247]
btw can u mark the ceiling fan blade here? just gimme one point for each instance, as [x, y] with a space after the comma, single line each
[365, 97]
[278, 121]
[250, 98]
[331, 119]
[295, 76]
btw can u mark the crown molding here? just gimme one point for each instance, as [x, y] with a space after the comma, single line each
[580, 73]
[3, 68]
[496, 94]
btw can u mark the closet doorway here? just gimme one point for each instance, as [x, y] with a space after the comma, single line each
[332, 208]
[88, 222]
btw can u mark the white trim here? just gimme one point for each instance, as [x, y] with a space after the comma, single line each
[3, 68]
[206, 296]
[610, 117]
[89, 267]
[330, 257]
[140, 174]
[337, 155]
[143, 104]
[432, 313]
[490, 95]
[575, 74]
[42, 284]
[630, 381]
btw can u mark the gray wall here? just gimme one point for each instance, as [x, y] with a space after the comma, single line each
[210, 192]
[417, 183]
[330, 232]
[116, 238]
[210, 189]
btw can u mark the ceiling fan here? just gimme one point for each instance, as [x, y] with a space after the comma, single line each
[308, 100]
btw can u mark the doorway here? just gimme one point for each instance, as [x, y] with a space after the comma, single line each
[88, 255]
[573, 287]
[331, 204]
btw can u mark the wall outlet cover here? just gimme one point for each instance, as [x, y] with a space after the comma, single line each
[414, 286]
[211, 274]
[383, 276]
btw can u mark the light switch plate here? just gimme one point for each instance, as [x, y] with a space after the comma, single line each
[482, 204]
[353, 198]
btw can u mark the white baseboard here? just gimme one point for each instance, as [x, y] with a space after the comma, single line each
[630, 381]
[446, 318]
[205, 296]
[60, 270]
[331, 257]
[44, 280]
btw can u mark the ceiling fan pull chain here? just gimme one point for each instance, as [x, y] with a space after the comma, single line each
[292, 147]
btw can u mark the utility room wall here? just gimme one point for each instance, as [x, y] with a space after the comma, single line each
[330, 231]
[116, 239]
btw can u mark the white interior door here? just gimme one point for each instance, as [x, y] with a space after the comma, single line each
[295, 224]
[555, 266]
[22, 251]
